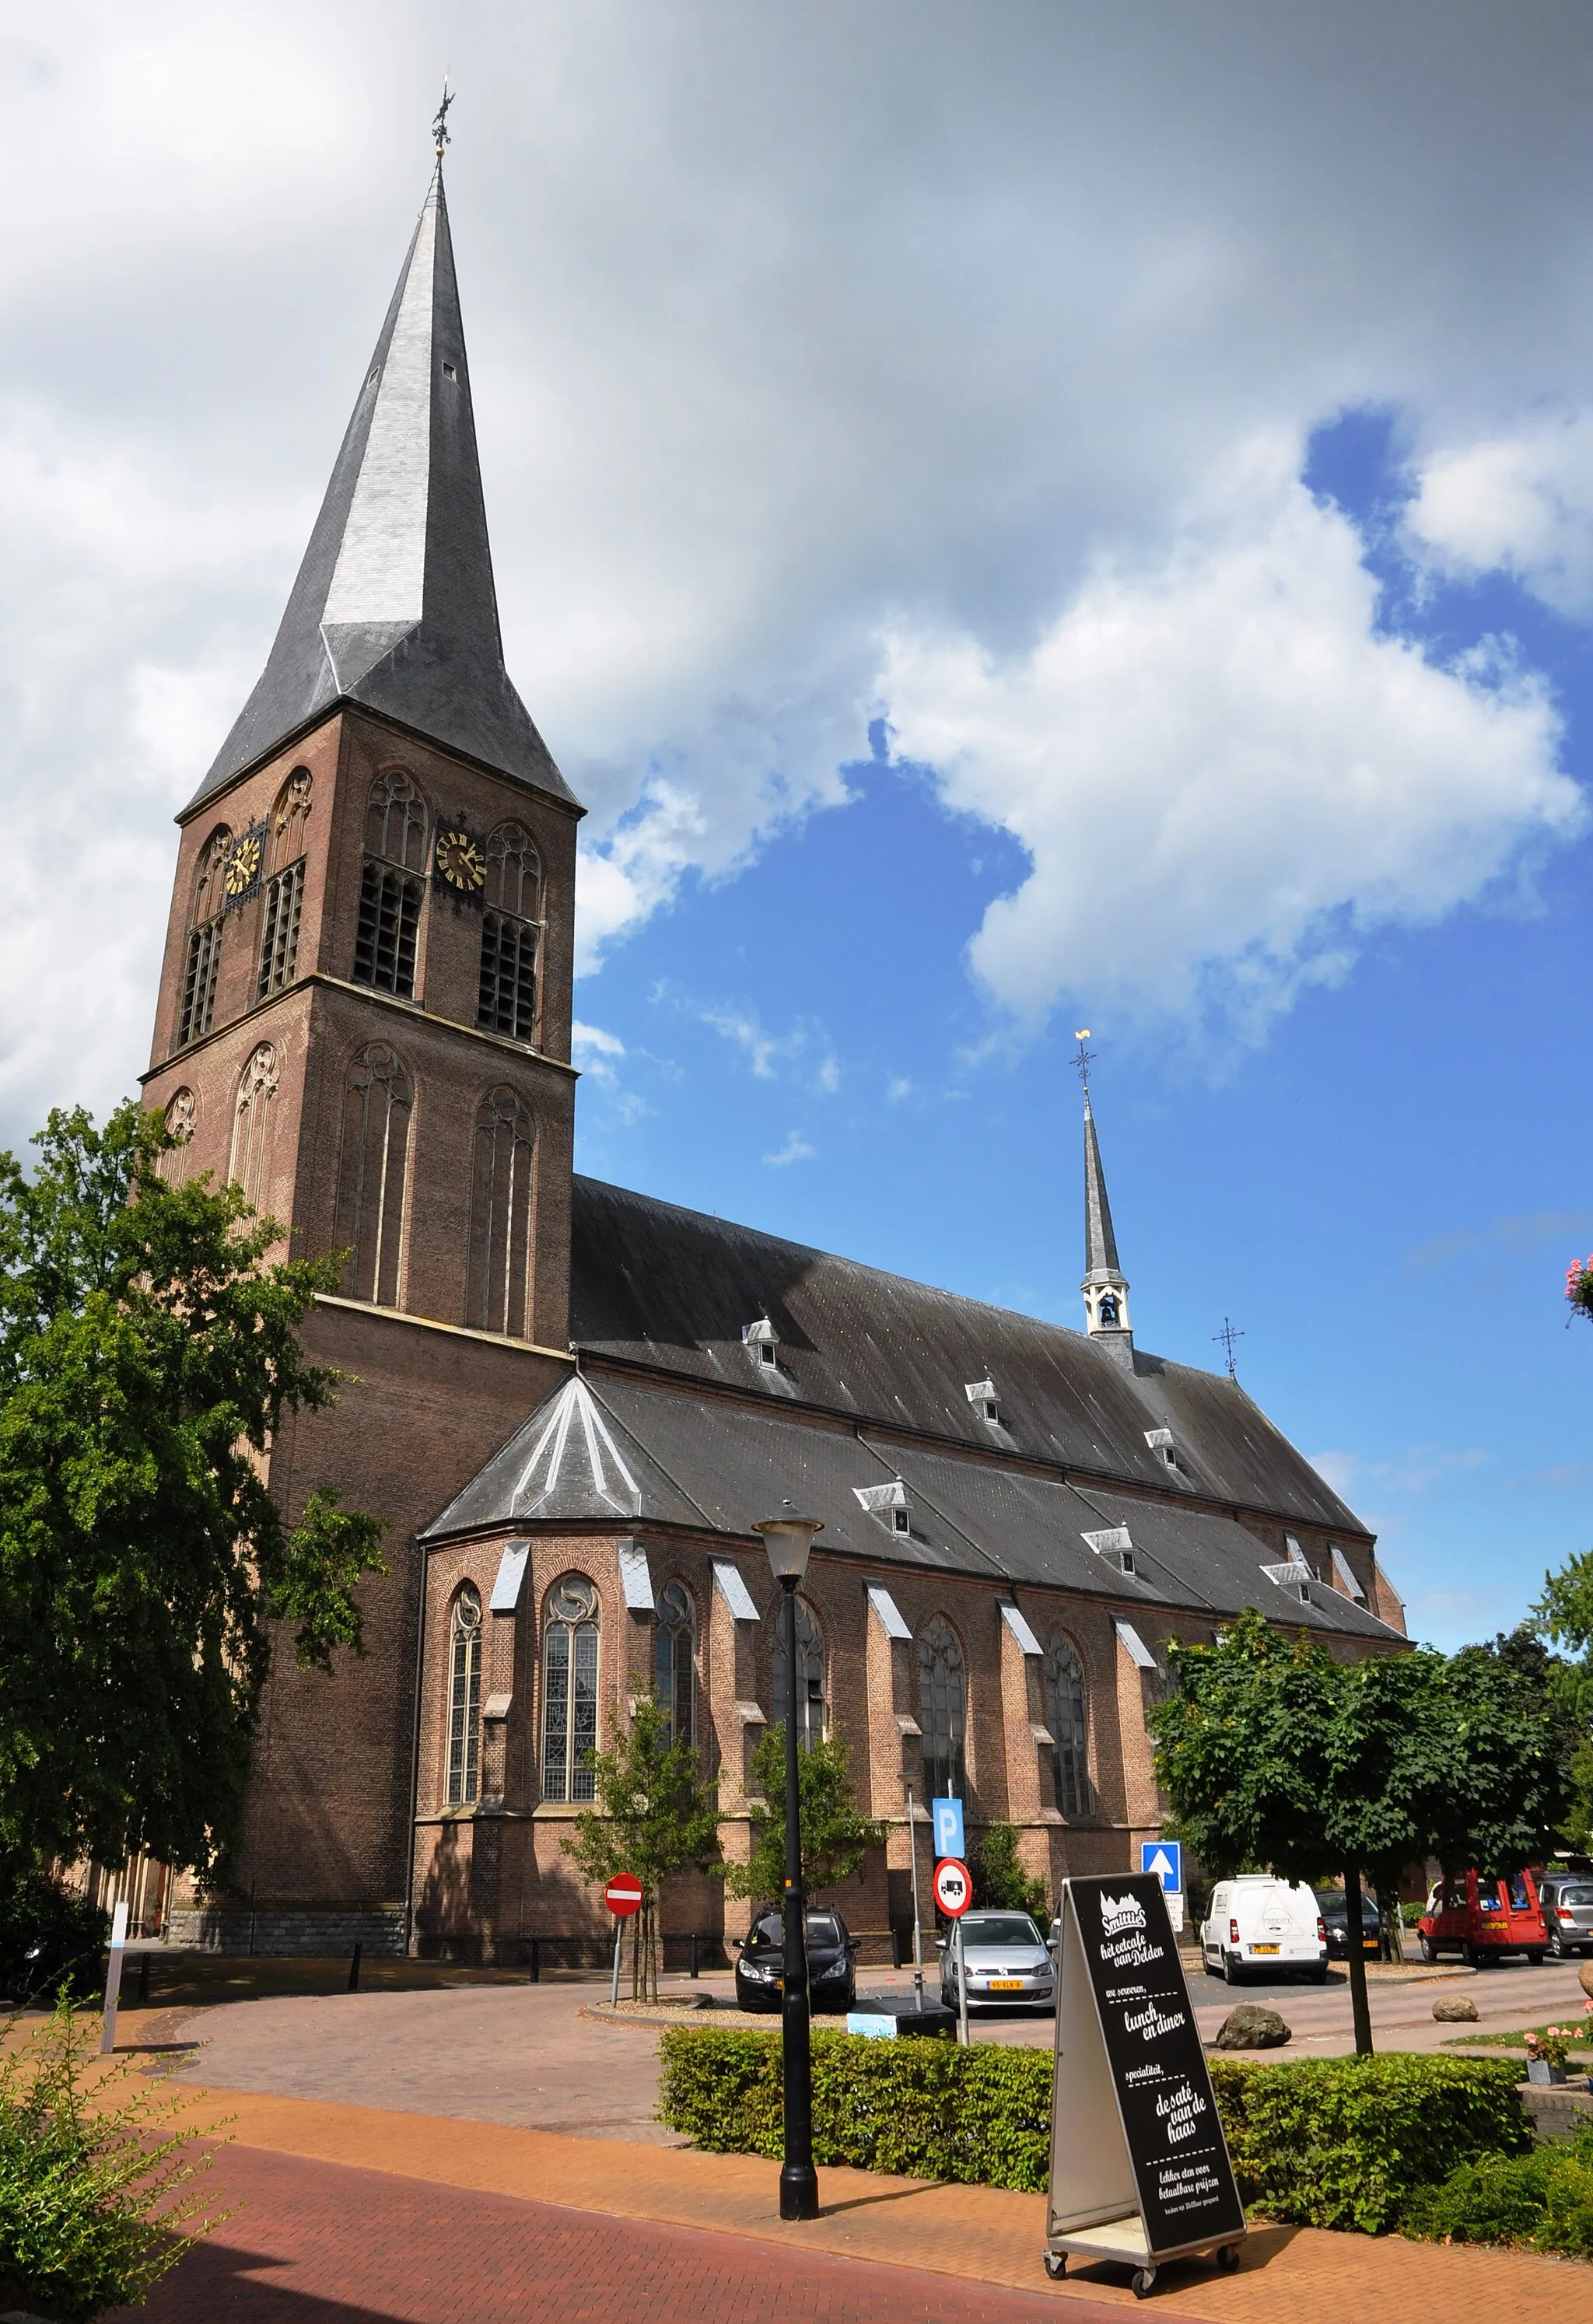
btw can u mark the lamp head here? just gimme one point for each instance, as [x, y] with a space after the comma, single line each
[788, 1537]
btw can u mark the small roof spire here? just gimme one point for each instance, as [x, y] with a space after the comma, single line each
[1105, 1287]
[394, 607]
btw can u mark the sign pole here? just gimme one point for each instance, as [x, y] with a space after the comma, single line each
[619, 1938]
[961, 1986]
[107, 2031]
[917, 1929]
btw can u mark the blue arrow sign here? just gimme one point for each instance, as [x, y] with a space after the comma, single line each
[947, 1823]
[1165, 1857]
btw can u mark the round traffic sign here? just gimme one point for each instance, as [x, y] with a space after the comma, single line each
[953, 1889]
[623, 1896]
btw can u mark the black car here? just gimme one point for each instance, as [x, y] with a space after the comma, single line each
[1334, 1908]
[832, 1955]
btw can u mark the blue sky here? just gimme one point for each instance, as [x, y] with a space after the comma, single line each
[1010, 519]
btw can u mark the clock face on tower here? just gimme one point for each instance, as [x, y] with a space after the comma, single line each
[460, 862]
[243, 865]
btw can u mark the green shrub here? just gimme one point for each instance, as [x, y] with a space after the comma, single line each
[1543, 2200]
[32, 1906]
[1000, 1883]
[92, 2211]
[1330, 2142]
[1343, 2141]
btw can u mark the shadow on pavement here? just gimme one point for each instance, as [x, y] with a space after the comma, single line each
[221, 2280]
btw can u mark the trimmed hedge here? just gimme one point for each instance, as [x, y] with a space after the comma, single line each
[1328, 2141]
[1541, 2201]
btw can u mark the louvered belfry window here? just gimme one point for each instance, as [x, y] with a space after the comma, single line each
[284, 886]
[507, 1000]
[204, 942]
[569, 1689]
[391, 888]
[465, 1700]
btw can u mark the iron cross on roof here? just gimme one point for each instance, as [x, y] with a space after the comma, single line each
[1227, 1336]
[439, 127]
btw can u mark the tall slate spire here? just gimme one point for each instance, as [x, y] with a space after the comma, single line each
[1105, 1287]
[394, 606]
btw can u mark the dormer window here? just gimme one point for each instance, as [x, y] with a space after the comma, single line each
[1161, 1442]
[981, 1395]
[762, 1343]
[900, 1521]
[1113, 1544]
[890, 1504]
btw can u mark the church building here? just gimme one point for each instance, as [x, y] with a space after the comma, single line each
[572, 1403]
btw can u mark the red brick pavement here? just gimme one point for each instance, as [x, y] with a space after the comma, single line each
[319, 2242]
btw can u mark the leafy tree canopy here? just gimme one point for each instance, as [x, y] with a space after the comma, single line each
[147, 1355]
[835, 1835]
[1565, 1613]
[653, 1817]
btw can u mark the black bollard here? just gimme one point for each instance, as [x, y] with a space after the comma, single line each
[353, 1970]
[896, 1949]
[535, 1960]
[143, 1980]
[694, 1952]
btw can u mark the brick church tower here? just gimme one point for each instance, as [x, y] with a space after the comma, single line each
[364, 1018]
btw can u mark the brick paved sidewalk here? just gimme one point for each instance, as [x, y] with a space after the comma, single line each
[974, 2234]
[310, 2243]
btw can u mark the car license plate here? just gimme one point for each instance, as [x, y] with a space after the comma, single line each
[1006, 1985]
[1266, 1949]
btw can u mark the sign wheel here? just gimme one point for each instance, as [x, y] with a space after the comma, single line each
[1056, 2266]
[1144, 2281]
[1227, 2258]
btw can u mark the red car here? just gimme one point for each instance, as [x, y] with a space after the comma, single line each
[1483, 1918]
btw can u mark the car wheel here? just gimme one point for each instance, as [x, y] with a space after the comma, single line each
[1319, 1975]
[1534, 1957]
[1556, 1945]
[1232, 1973]
[1426, 1948]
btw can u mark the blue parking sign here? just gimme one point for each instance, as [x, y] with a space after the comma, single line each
[947, 1823]
[1165, 1857]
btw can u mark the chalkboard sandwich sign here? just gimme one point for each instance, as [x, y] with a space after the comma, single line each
[1139, 2167]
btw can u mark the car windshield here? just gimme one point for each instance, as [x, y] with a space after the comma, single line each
[768, 1933]
[999, 1929]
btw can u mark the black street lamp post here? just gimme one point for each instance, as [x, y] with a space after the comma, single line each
[787, 1539]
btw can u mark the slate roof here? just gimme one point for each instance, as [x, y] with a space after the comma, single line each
[394, 606]
[710, 1463]
[672, 1288]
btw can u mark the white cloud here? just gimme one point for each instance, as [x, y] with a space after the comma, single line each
[795, 1149]
[1224, 775]
[1519, 503]
[1339, 1470]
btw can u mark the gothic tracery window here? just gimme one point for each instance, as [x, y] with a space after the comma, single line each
[377, 1098]
[390, 887]
[1067, 1715]
[465, 1699]
[251, 1117]
[812, 1702]
[182, 1118]
[943, 1709]
[198, 1001]
[674, 1662]
[569, 1689]
[507, 1000]
[284, 886]
[500, 1215]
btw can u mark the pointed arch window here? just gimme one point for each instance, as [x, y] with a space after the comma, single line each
[569, 1689]
[182, 1118]
[198, 1001]
[390, 887]
[811, 1694]
[674, 1662]
[250, 1120]
[942, 1710]
[1067, 1715]
[500, 1215]
[465, 1699]
[507, 1001]
[377, 1098]
[284, 885]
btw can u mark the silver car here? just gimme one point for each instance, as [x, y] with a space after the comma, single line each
[1008, 1964]
[1567, 1899]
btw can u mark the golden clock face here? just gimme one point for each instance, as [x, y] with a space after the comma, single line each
[243, 865]
[460, 862]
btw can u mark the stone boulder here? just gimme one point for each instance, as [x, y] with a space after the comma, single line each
[1456, 2011]
[1251, 2027]
[1585, 1979]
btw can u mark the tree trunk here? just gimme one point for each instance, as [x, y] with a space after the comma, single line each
[1360, 2009]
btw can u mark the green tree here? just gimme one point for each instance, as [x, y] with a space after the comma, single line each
[1276, 1757]
[835, 1835]
[654, 1817]
[147, 1355]
[1000, 1883]
[1565, 1613]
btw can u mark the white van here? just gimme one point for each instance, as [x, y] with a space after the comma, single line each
[1259, 1925]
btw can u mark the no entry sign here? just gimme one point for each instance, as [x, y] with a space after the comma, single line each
[623, 1896]
[953, 1890]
